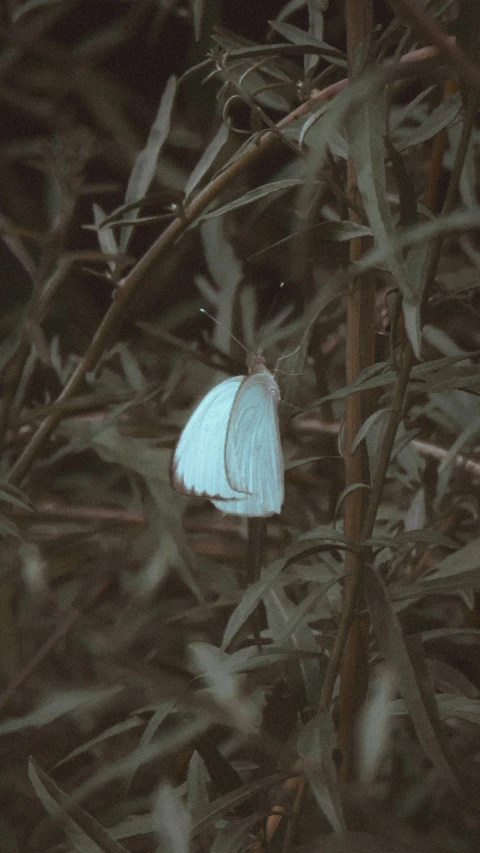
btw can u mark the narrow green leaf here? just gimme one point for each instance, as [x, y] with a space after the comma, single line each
[400, 115]
[375, 725]
[413, 328]
[255, 661]
[367, 425]
[207, 159]
[441, 633]
[250, 599]
[315, 744]
[254, 594]
[112, 731]
[459, 220]
[176, 738]
[347, 491]
[146, 163]
[297, 463]
[405, 185]
[197, 790]
[411, 537]
[225, 804]
[11, 495]
[301, 37]
[335, 231]
[105, 235]
[339, 231]
[8, 528]
[10, 235]
[171, 819]
[293, 365]
[326, 533]
[62, 703]
[303, 676]
[198, 13]
[366, 128]
[443, 115]
[379, 376]
[215, 666]
[84, 832]
[460, 570]
[409, 669]
[255, 195]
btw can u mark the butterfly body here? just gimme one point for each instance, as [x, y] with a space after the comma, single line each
[230, 449]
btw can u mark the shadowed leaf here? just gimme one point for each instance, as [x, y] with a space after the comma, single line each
[84, 832]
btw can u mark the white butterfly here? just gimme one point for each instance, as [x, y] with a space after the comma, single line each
[230, 449]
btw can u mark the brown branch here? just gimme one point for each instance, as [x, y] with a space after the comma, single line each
[360, 354]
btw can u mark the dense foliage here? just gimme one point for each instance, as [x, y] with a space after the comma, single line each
[174, 678]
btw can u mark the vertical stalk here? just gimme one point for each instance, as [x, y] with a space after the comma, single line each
[359, 354]
[257, 536]
[435, 163]
[346, 651]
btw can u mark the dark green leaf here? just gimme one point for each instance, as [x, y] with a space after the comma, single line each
[225, 804]
[297, 36]
[255, 195]
[207, 159]
[84, 832]
[146, 163]
[407, 663]
[316, 743]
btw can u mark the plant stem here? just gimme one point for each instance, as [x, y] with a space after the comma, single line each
[393, 423]
[360, 353]
[257, 535]
[348, 614]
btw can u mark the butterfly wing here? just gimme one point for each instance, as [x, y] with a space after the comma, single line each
[198, 465]
[253, 453]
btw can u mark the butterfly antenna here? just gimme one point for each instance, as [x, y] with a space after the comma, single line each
[223, 327]
[288, 354]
